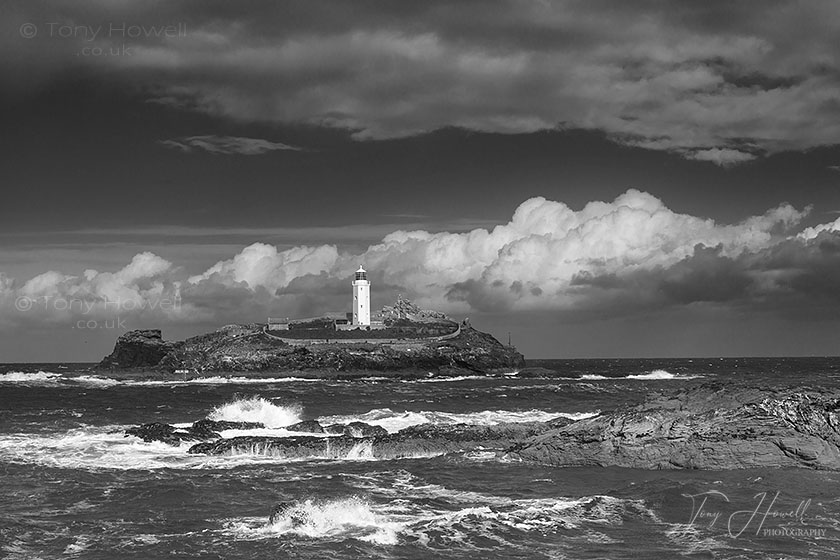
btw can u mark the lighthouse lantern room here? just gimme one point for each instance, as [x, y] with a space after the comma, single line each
[361, 298]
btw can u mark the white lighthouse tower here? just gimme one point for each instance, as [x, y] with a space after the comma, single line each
[361, 298]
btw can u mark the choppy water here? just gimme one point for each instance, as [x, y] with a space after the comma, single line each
[74, 487]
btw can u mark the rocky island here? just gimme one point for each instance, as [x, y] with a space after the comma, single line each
[253, 350]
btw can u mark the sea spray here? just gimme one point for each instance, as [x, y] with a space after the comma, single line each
[661, 374]
[353, 517]
[257, 409]
[30, 377]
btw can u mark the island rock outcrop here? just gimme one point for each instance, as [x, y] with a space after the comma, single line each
[712, 426]
[249, 349]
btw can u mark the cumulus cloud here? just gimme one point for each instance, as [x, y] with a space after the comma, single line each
[143, 288]
[226, 145]
[719, 82]
[813, 232]
[629, 255]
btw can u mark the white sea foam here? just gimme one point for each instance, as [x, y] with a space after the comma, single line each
[655, 375]
[95, 380]
[496, 517]
[402, 506]
[396, 421]
[336, 519]
[33, 378]
[50, 378]
[361, 451]
[446, 379]
[219, 380]
[257, 409]
[106, 448]
[661, 374]
[91, 449]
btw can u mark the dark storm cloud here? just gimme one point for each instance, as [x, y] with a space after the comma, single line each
[796, 277]
[717, 82]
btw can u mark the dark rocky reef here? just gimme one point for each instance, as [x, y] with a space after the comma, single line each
[202, 430]
[245, 349]
[422, 440]
[712, 426]
[208, 430]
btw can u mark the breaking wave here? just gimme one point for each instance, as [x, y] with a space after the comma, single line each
[90, 448]
[396, 421]
[655, 375]
[106, 448]
[219, 380]
[95, 380]
[33, 378]
[257, 409]
[661, 374]
[336, 519]
[401, 508]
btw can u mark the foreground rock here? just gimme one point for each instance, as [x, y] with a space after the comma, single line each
[713, 426]
[248, 349]
[202, 430]
[208, 430]
[414, 441]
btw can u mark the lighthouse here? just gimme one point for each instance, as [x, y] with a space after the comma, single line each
[361, 298]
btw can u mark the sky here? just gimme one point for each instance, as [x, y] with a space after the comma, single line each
[593, 178]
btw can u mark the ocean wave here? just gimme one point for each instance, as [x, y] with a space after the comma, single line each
[473, 514]
[396, 421]
[257, 409]
[95, 380]
[107, 448]
[660, 374]
[90, 448]
[446, 379]
[220, 380]
[33, 378]
[400, 508]
[336, 519]
[655, 375]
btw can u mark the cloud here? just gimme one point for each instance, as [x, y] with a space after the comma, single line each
[226, 145]
[721, 82]
[834, 167]
[626, 256]
[724, 157]
[814, 232]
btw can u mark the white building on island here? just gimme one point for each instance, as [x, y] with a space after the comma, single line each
[361, 298]
[359, 317]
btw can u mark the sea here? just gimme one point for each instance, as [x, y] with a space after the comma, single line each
[74, 486]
